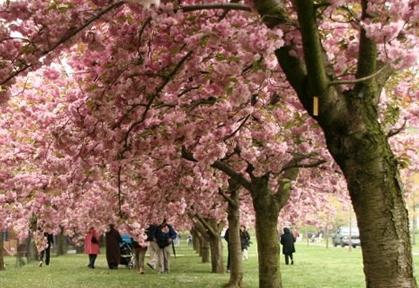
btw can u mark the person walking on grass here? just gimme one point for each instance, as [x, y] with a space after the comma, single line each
[165, 234]
[91, 246]
[113, 252]
[153, 248]
[47, 241]
[287, 241]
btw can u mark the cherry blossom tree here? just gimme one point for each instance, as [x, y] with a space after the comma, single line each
[166, 88]
[374, 39]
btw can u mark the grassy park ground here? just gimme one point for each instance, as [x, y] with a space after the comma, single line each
[315, 267]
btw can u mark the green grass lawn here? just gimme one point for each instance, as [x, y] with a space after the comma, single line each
[315, 267]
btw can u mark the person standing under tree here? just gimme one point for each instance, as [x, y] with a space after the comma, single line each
[227, 239]
[244, 241]
[113, 252]
[91, 246]
[46, 253]
[287, 241]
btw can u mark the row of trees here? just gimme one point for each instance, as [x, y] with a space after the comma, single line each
[186, 110]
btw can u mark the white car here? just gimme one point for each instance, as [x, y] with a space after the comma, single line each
[341, 237]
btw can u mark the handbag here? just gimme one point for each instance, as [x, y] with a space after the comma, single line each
[94, 240]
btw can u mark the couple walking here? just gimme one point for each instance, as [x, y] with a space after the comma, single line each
[161, 238]
[92, 247]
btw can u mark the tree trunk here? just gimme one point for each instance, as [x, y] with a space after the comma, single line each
[204, 247]
[266, 213]
[209, 231]
[217, 264]
[205, 250]
[216, 246]
[376, 192]
[414, 221]
[1, 251]
[267, 205]
[61, 243]
[195, 241]
[20, 253]
[31, 253]
[236, 269]
[359, 145]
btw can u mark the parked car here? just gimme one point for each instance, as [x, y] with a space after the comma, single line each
[341, 237]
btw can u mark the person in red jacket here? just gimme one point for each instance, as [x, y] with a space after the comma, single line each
[91, 246]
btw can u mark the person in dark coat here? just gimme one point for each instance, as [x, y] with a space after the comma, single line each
[227, 238]
[244, 241]
[45, 254]
[165, 234]
[287, 241]
[113, 252]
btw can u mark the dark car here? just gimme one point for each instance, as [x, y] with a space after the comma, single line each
[341, 237]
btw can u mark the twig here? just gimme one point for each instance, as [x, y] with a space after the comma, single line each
[238, 129]
[224, 6]
[152, 97]
[340, 82]
[396, 131]
[226, 197]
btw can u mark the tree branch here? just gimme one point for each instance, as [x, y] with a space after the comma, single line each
[284, 190]
[223, 6]
[296, 162]
[153, 96]
[222, 167]
[272, 12]
[332, 105]
[396, 131]
[294, 70]
[186, 154]
[233, 174]
[67, 36]
[227, 198]
[305, 165]
[367, 56]
[238, 129]
[206, 225]
[354, 81]
[313, 55]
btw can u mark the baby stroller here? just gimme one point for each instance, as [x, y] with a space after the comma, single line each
[127, 252]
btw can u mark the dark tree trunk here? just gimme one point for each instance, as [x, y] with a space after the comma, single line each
[355, 139]
[204, 247]
[236, 269]
[20, 253]
[216, 246]
[205, 250]
[195, 241]
[376, 192]
[267, 205]
[217, 264]
[31, 253]
[1, 250]
[204, 240]
[266, 213]
[61, 243]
